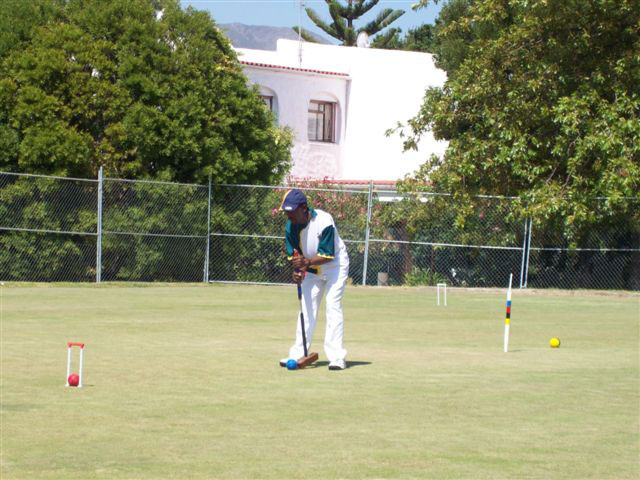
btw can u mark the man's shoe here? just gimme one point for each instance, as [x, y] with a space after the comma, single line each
[337, 365]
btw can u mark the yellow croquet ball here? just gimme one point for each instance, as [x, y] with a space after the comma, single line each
[554, 342]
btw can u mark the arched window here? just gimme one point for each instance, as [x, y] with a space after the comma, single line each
[270, 99]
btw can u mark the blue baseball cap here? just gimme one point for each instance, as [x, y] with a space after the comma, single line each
[292, 200]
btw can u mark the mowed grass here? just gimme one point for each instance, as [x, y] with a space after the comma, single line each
[182, 381]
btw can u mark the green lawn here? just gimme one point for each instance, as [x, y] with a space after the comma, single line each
[182, 381]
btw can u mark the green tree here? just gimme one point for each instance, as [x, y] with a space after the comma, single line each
[445, 39]
[452, 38]
[19, 19]
[541, 102]
[343, 16]
[140, 87]
[419, 39]
[389, 40]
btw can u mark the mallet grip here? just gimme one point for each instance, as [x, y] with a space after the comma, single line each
[295, 254]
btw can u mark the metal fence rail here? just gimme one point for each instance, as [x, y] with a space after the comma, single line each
[105, 229]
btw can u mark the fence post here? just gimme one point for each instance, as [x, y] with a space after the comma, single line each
[524, 253]
[99, 231]
[366, 237]
[206, 257]
[526, 269]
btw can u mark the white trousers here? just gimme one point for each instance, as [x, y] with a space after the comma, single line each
[331, 282]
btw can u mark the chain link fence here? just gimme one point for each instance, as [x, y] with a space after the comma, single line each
[47, 228]
[604, 256]
[153, 231]
[66, 229]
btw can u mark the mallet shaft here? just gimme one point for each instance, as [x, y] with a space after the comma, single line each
[304, 334]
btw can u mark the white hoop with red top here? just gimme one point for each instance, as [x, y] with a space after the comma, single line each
[70, 345]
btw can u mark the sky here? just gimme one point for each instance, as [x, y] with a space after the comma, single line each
[285, 13]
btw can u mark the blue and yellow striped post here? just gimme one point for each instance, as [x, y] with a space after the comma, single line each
[507, 320]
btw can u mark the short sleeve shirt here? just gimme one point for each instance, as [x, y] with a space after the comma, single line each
[318, 237]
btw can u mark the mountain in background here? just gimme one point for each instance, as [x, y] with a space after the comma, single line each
[260, 37]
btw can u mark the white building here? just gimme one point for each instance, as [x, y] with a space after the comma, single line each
[340, 101]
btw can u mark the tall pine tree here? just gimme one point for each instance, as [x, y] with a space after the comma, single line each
[341, 28]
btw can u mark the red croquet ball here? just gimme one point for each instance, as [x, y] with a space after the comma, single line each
[73, 380]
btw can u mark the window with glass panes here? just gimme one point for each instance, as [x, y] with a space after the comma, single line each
[321, 121]
[268, 101]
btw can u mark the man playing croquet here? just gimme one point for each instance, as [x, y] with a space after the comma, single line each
[321, 265]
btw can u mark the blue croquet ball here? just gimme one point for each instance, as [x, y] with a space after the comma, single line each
[292, 364]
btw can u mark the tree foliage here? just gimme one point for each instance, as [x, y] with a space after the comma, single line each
[419, 39]
[541, 102]
[451, 42]
[140, 87]
[343, 16]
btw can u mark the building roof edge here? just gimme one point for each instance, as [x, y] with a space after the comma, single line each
[293, 69]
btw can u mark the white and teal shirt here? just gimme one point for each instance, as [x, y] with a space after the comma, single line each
[317, 237]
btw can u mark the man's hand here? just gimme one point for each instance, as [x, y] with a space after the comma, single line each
[299, 262]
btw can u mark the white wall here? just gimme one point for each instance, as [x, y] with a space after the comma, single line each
[293, 91]
[383, 87]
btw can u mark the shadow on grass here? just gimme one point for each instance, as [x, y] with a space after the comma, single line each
[350, 364]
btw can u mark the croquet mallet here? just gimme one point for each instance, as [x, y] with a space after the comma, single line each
[308, 358]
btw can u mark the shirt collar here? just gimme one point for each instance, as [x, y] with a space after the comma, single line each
[314, 214]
